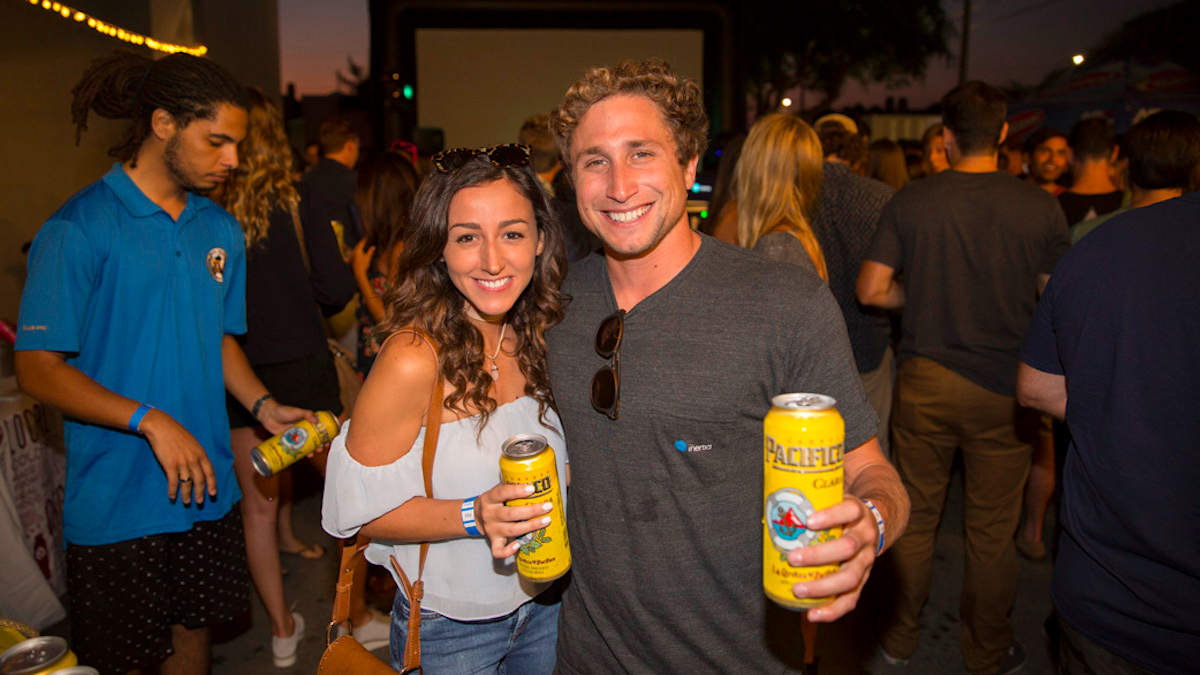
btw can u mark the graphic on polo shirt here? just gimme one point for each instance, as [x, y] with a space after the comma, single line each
[216, 264]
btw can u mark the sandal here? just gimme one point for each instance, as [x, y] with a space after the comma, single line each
[307, 552]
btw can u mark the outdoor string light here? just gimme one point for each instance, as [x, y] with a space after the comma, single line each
[116, 31]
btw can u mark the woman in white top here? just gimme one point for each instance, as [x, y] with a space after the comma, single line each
[479, 275]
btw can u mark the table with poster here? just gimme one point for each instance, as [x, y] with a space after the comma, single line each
[32, 482]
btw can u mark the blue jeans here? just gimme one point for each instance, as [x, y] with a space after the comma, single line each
[521, 643]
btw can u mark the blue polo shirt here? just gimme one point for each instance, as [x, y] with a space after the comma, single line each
[139, 302]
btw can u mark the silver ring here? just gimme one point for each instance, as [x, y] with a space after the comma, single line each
[185, 480]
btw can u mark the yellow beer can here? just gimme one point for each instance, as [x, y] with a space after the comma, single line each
[279, 452]
[803, 445]
[38, 656]
[545, 554]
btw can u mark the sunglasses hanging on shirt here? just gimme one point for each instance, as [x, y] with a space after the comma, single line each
[606, 383]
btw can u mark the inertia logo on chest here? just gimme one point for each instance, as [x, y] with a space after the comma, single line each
[684, 446]
[216, 264]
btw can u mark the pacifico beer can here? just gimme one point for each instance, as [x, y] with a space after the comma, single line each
[279, 452]
[545, 554]
[38, 656]
[803, 444]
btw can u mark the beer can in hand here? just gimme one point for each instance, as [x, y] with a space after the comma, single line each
[38, 656]
[803, 445]
[545, 554]
[279, 452]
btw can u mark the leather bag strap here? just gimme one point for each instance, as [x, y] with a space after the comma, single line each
[351, 551]
[299, 227]
[416, 590]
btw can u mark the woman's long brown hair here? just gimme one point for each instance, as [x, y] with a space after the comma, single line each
[424, 297]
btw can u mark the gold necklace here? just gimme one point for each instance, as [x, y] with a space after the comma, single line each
[492, 357]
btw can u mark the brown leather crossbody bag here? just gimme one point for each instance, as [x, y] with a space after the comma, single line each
[345, 655]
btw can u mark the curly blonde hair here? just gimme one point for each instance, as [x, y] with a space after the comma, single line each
[677, 97]
[778, 177]
[263, 177]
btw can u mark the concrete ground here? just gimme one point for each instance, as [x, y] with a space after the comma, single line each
[842, 648]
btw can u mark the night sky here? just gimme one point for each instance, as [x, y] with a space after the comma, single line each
[1019, 40]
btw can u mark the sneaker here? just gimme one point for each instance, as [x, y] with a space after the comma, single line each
[883, 662]
[284, 648]
[1014, 659]
[374, 634]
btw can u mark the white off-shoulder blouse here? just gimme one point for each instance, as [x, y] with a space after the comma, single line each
[462, 580]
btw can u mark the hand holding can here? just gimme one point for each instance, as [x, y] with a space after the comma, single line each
[279, 452]
[544, 554]
[803, 445]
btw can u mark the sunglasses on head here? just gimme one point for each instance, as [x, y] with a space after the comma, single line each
[606, 383]
[507, 156]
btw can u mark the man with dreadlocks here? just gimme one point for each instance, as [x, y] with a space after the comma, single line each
[136, 286]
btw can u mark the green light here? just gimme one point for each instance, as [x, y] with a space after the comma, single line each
[408, 92]
[704, 214]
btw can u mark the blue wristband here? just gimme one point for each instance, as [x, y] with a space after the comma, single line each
[878, 521]
[468, 517]
[138, 414]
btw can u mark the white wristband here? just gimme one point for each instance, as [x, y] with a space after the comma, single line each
[878, 521]
[468, 517]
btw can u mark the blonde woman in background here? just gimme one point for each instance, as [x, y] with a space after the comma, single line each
[778, 177]
[886, 163]
[285, 344]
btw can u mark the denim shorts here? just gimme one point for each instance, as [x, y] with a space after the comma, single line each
[520, 643]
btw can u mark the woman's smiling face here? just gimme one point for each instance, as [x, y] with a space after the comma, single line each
[491, 246]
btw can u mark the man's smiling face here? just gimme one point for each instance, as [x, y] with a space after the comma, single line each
[1049, 159]
[630, 188]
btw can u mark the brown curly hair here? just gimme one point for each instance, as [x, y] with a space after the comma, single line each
[424, 297]
[678, 98]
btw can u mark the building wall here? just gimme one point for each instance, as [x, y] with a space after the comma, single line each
[480, 85]
[43, 56]
[243, 36]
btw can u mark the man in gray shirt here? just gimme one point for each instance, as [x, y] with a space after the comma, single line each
[695, 337]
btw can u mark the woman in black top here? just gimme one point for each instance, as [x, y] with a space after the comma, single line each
[386, 187]
[285, 342]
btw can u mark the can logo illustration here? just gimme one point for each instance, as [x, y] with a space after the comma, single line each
[545, 554]
[803, 443]
[279, 452]
[787, 518]
[294, 439]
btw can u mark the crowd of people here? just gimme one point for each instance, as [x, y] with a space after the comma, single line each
[554, 286]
